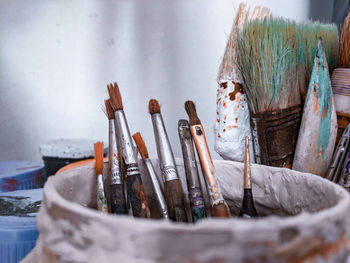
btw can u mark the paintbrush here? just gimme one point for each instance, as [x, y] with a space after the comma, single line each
[117, 192]
[156, 187]
[219, 207]
[193, 184]
[173, 192]
[135, 190]
[101, 198]
[335, 169]
[318, 129]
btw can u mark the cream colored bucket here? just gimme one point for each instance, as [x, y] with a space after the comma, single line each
[314, 222]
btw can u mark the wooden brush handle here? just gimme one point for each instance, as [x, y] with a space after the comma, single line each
[118, 200]
[174, 197]
[220, 210]
[198, 213]
[137, 196]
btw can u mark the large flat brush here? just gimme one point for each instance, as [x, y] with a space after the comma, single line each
[219, 207]
[135, 189]
[118, 200]
[152, 174]
[173, 192]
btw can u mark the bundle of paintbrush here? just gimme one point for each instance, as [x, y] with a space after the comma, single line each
[341, 79]
[273, 61]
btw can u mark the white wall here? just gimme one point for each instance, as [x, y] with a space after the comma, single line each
[57, 56]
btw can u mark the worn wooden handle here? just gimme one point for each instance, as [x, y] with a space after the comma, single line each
[118, 200]
[137, 196]
[198, 213]
[220, 210]
[174, 197]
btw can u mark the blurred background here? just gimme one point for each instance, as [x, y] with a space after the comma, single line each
[56, 58]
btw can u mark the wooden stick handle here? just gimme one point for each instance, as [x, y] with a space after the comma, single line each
[118, 200]
[174, 197]
[137, 196]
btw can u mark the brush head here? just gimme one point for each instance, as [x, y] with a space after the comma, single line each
[141, 145]
[344, 45]
[153, 106]
[109, 110]
[98, 148]
[115, 97]
[190, 108]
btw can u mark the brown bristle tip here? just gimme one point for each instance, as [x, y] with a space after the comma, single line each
[141, 145]
[115, 97]
[99, 150]
[109, 110]
[190, 108]
[153, 106]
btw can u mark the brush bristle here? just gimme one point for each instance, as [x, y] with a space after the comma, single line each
[190, 108]
[344, 46]
[153, 106]
[141, 145]
[115, 97]
[98, 148]
[109, 110]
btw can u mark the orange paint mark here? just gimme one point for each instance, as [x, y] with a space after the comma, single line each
[324, 113]
[316, 105]
[219, 135]
[236, 119]
[230, 127]
[225, 117]
[224, 104]
[217, 120]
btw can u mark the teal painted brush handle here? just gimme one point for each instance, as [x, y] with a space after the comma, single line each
[197, 204]
[198, 213]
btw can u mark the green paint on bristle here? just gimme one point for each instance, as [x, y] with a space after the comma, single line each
[275, 59]
[266, 60]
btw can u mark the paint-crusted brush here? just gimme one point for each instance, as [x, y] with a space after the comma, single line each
[219, 207]
[156, 187]
[173, 192]
[135, 190]
[193, 184]
[101, 198]
[118, 200]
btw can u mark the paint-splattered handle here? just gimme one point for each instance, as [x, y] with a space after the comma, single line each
[198, 213]
[118, 200]
[137, 196]
[174, 197]
[220, 210]
[101, 197]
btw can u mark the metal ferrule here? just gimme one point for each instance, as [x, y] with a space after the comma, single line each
[101, 198]
[247, 168]
[207, 164]
[159, 195]
[114, 163]
[125, 141]
[165, 153]
[334, 171]
[189, 158]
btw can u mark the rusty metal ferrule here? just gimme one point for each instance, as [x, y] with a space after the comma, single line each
[247, 167]
[165, 153]
[189, 158]
[159, 195]
[114, 164]
[213, 186]
[126, 145]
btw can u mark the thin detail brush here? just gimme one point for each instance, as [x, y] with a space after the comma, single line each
[219, 207]
[156, 187]
[101, 198]
[135, 190]
[118, 200]
[173, 192]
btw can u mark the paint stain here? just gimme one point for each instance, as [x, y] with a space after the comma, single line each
[224, 104]
[236, 119]
[237, 89]
[223, 85]
[219, 135]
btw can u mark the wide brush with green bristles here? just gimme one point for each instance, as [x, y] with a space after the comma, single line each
[275, 60]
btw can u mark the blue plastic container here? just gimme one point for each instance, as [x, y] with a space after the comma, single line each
[18, 231]
[20, 175]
